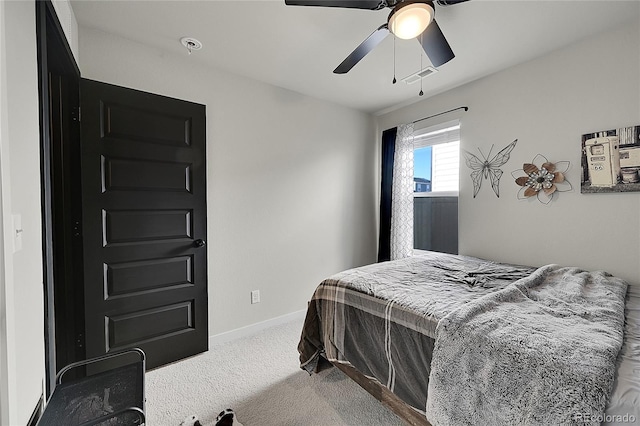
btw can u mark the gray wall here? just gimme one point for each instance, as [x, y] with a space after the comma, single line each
[547, 104]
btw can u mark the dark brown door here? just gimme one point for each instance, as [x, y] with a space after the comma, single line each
[144, 223]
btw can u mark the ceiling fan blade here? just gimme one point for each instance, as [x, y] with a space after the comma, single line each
[450, 2]
[435, 45]
[351, 4]
[365, 47]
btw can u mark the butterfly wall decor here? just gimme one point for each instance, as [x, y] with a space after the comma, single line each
[488, 169]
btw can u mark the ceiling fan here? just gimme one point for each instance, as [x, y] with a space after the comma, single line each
[408, 19]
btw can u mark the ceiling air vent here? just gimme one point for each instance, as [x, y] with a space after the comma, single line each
[420, 74]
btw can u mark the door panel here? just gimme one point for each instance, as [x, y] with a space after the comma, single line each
[141, 175]
[127, 278]
[139, 326]
[128, 122]
[145, 226]
[144, 206]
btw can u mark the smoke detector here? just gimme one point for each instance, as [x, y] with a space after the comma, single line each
[419, 75]
[191, 44]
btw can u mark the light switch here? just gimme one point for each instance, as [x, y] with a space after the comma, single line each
[17, 232]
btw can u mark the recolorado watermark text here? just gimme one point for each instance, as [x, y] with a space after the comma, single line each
[609, 418]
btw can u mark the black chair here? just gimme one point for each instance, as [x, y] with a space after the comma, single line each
[109, 395]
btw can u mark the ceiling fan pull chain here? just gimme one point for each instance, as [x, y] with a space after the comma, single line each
[394, 60]
[421, 92]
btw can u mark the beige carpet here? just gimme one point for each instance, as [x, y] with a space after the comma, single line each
[259, 377]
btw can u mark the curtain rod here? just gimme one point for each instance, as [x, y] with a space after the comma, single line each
[440, 113]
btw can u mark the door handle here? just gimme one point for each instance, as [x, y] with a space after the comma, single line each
[199, 243]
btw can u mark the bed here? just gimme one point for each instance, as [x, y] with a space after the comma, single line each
[456, 339]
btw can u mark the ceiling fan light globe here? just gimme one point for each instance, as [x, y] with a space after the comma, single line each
[411, 20]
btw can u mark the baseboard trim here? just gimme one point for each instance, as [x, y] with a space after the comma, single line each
[249, 330]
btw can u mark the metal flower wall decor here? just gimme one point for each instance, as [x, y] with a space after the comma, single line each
[543, 179]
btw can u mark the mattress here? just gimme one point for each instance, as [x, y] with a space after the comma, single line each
[381, 319]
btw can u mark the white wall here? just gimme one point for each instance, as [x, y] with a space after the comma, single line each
[547, 104]
[291, 180]
[7, 380]
[22, 353]
[23, 284]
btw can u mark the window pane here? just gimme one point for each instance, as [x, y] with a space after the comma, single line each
[435, 224]
[446, 160]
[422, 169]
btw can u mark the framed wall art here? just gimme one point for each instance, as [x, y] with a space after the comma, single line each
[611, 161]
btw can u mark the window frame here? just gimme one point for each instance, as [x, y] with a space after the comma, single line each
[445, 132]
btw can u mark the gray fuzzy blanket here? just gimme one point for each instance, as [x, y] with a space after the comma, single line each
[541, 351]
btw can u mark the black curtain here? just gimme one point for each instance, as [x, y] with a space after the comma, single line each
[388, 153]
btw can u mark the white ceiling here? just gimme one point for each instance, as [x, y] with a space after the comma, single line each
[298, 47]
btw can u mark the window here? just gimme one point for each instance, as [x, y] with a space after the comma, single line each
[436, 158]
[436, 161]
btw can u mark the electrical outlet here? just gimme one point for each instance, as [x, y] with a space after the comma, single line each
[255, 296]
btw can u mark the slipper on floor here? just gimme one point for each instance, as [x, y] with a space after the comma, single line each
[225, 418]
